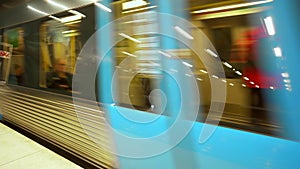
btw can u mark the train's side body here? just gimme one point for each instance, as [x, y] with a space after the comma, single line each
[157, 83]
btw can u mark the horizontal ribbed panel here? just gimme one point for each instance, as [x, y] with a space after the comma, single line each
[53, 118]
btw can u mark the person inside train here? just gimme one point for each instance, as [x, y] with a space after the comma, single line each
[259, 71]
[59, 78]
[19, 74]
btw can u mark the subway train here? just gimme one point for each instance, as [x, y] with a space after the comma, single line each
[133, 84]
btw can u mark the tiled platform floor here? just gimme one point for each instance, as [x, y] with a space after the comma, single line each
[19, 152]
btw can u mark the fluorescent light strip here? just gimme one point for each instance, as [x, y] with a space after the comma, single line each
[69, 31]
[44, 13]
[36, 10]
[129, 54]
[231, 84]
[133, 4]
[65, 8]
[77, 13]
[214, 76]
[57, 4]
[227, 64]
[184, 33]
[136, 21]
[278, 52]
[232, 6]
[238, 72]
[246, 78]
[203, 71]
[187, 64]
[199, 79]
[235, 12]
[269, 25]
[288, 85]
[69, 23]
[105, 8]
[130, 38]
[140, 9]
[70, 18]
[285, 75]
[53, 17]
[211, 53]
[165, 54]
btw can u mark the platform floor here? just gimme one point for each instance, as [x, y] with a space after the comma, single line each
[20, 152]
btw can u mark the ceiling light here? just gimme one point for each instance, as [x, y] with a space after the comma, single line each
[130, 38]
[187, 64]
[36, 10]
[269, 25]
[128, 54]
[211, 53]
[140, 9]
[232, 6]
[57, 4]
[105, 8]
[70, 18]
[133, 4]
[227, 64]
[184, 33]
[278, 52]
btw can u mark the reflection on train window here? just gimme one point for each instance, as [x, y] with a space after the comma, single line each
[15, 37]
[244, 46]
[137, 63]
[60, 45]
[252, 68]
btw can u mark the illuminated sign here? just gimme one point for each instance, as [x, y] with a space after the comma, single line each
[4, 54]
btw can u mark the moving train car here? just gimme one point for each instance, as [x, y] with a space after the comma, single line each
[155, 83]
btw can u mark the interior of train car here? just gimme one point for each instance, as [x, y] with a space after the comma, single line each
[129, 83]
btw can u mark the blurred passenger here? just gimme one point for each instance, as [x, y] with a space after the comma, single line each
[59, 78]
[146, 84]
[259, 71]
[19, 74]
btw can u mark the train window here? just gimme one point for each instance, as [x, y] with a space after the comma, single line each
[15, 37]
[137, 63]
[252, 69]
[60, 45]
[243, 44]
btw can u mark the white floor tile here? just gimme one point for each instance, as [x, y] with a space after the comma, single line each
[4, 129]
[15, 146]
[19, 152]
[44, 159]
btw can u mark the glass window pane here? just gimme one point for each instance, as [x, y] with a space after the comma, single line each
[15, 37]
[60, 45]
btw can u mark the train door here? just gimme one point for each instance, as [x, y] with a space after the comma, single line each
[143, 65]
